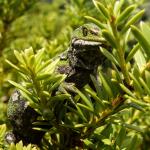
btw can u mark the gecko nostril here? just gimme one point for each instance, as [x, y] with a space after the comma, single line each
[94, 32]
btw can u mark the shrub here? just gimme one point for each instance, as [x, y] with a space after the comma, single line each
[111, 112]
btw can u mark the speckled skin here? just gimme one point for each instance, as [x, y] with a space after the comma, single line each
[21, 117]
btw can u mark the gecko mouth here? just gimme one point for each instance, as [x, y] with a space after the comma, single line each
[84, 43]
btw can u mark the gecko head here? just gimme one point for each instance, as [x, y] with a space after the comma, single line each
[88, 35]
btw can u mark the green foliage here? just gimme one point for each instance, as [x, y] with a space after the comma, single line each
[111, 114]
[2, 135]
[19, 146]
[37, 74]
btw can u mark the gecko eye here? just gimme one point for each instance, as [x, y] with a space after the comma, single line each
[84, 31]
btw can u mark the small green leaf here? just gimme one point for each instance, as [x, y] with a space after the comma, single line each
[125, 14]
[145, 30]
[81, 113]
[89, 144]
[147, 89]
[117, 73]
[107, 141]
[49, 66]
[141, 39]
[12, 65]
[19, 146]
[133, 20]
[133, 144]
[60, 97]
[131, 104]
[136, 106]
[46, 94]
[29, 52]
[37, 123]
[31, 61]
[56, 84]
[117, 7]
[84, 107]
[12, 146]
[52, 79]
[127, 37]
[137, 84]
[19, 87]
[107, 130]
[109, 37]
[19, 57]
[38, 58]
[24, 58]
[124, 88]
[137, 101]
[2, 130]
[96, 85]
[133, 127]
[72, 110]
[80, 125]
[147, 76]
[43, 76]
[102, 8]
[106, 85]
[132, 52]
[85, 99]
[121, 136]
[94, 96]
[42, 66]
[95, 21]
[109, 56]
[29, 147]
[140, 59]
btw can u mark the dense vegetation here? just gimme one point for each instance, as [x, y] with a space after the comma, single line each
[111, 112]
